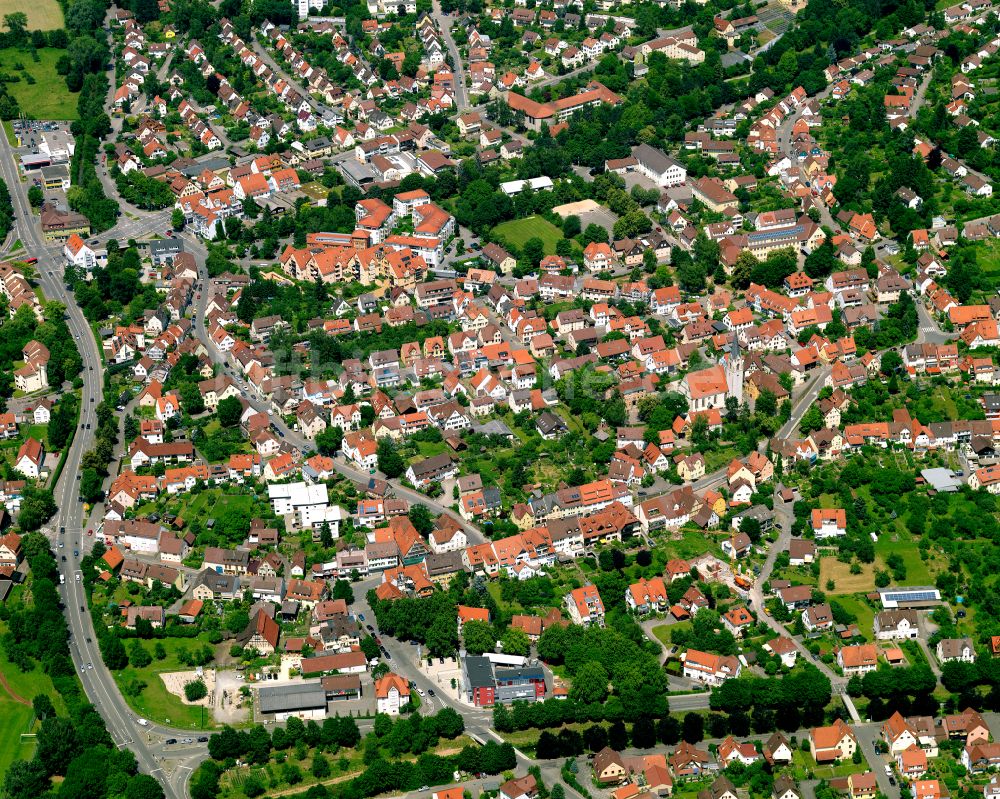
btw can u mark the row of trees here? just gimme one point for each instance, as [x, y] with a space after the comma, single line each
[76, 747]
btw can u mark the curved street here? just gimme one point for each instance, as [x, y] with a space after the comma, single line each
[97, 681]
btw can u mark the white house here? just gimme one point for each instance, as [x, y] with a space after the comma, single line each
[391, 693]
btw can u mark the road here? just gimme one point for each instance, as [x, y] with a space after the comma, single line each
[97, 681]
[458, 67]
[805, 401]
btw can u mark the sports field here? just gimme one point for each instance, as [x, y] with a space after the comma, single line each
[43, 15]
[518, 231]
[47, 97]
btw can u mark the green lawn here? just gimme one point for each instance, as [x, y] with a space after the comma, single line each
[16, 719]
[803, 765]
[518, 231]
[662, 633]
[47, 97]
[917, 572]
[204, 504]
[861, 610]
[155, 702]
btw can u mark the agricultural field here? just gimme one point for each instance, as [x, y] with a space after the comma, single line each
[43, 15]
[518, 231]
[845, 582]
[47, 97]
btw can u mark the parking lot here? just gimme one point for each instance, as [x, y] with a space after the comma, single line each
[442, 675]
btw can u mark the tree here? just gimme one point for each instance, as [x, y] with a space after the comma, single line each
[57, 744]
[478, 636]
[36, 196]
[421, 518]
[177, 220]
[342, 590]
[90, 485]
[42, 706]
[390, 462]
[113, 652]
[766, 403]
[143, 786]
[516, 642]
[811, 420]
[643, 733]
[320, 767]
[692, 728]
[229, 412]
[329, 441]
[25, 779]
[138, 657]
[195, 690]
[590, 684]
[533, 251]
[17, 26]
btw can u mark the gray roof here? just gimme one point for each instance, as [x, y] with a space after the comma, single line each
[654, 159]
[290, 698]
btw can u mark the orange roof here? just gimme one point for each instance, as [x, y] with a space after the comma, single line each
[113, 557]
[384, 684]
[465, 613]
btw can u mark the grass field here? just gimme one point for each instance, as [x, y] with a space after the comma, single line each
[518, 231]
[917, 572]
[15, 716]
[155, 702]
[47, 97]
[846, 583]
[43, 15]
[662, 633]
[865, 615]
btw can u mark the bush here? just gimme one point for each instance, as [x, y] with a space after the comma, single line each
[252, 785]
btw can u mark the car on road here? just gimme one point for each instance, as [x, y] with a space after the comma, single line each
[422, 692]
[203, 739]
[76, 553]
[61, 545]
[142, 722]
[361, 617]
[170, 741]
[369, 628]
[430, 692]
[83, 609]
[90, 665]
[64, 558]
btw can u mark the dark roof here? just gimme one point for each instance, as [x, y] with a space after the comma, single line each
[286, 698]
[480, 672]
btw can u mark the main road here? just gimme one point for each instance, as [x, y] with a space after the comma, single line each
[66, 528]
